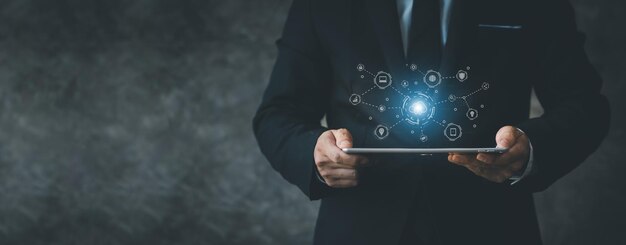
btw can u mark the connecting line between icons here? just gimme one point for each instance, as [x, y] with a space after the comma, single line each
[420, 72]
[465, 100]
[472, 93]
[368, 72]
[365, 103]
[441, 102]
[373, 87]
[440, 124]
[392, 126]
[394, 88]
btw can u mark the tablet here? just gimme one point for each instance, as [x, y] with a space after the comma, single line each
[496, 150]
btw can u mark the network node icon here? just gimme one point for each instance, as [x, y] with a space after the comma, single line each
[452, 98]
[381, 132]
[453, 132]
[413, 67]
[404, 83]
[382, 80]
[485, 86]
[432, 78]
[355, 99]
[472, 114]
[423, 138]
[360, 67]
[461, 75]
[382, 108]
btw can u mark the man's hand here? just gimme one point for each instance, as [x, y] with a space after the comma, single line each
[498, 167]
[338, 169]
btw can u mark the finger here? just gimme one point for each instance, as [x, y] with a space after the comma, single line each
[343, 138]
[341, 183]
[333, 165]
[342, 174]
[517, 152]
[470, 161]
[486, 158]
[326, 140]
[336, 155]
[507, 136]
[492, 173]
[328, 147]
[349, 162]
[461, 159]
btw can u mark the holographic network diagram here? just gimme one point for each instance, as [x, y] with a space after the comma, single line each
[417, 103]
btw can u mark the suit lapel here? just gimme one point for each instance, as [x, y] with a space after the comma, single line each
[383, 15]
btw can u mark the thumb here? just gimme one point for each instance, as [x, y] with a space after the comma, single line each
[506, 136]
[343, 138]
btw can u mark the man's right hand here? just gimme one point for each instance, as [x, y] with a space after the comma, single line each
[338, 169]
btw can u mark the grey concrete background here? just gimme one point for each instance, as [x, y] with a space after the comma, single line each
[128, 122]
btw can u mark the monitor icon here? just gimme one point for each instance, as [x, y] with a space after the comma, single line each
[382, 80]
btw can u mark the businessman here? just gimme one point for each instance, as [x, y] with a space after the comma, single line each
[412, 199]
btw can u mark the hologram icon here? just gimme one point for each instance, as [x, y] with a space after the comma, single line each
[423, 138]
[432, 78]
[453, 132]
[382, 80]
[355, 99]
[461, 75]
[381, 132]
[485, 86]
[360, 67]
[472, 114]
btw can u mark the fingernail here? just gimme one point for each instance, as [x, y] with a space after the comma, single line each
[344, 143]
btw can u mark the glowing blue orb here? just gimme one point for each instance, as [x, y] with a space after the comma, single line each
[418, 108]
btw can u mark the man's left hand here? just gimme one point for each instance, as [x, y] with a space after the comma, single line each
[498, 167]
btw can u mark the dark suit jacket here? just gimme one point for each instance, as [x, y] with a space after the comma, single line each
[315, 74]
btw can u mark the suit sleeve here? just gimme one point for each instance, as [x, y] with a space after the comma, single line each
[287, 123]
[576, 116]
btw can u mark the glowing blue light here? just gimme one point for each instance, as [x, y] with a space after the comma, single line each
[418, 108]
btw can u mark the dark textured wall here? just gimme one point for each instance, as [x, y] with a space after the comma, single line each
[128, 122]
